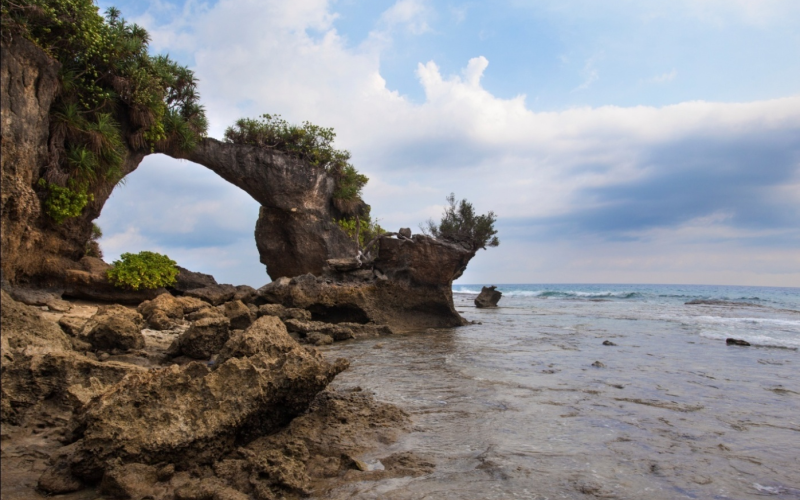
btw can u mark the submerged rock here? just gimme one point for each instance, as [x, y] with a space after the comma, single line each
[489, 297]
[739, 342]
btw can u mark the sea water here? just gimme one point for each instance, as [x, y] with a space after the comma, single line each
[528, 401]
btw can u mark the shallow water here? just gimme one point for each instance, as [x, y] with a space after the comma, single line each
[514, 408]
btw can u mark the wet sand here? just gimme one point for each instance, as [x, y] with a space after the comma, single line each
[531, 404]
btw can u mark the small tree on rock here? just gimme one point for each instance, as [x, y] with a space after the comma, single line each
[461, 225]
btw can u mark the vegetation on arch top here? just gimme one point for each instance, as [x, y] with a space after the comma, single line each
[114, 96]
[308, 142]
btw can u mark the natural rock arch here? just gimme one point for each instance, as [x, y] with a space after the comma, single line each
[295, 232]
[409, 284]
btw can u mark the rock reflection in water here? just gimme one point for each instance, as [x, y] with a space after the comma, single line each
[513, 408]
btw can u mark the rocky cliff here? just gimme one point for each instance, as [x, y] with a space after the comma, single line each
[408, 282]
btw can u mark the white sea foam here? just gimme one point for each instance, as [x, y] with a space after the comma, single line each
[750, 321]
[754, 339]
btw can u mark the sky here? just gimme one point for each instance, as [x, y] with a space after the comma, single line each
[617, 141]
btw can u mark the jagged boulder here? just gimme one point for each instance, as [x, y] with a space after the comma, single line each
[489, 297]
[115, 327]
[239, 314]
[191, 415]
[214, 295]
[39, 364]
[245, 293]
[204, 338]
[306, 328]
[191, 304]
[163, 312]
[204, 313]
[267, 335]
[283, 313]
[188, 280]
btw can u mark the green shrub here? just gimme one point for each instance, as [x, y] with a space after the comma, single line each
[459, 224]
[107, 77]
[148, 270]
[63, 203]
[308, 142]
[369, 228]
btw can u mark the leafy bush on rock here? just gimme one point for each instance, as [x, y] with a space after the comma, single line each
[461, 225]
[308, 142]
[143, 270]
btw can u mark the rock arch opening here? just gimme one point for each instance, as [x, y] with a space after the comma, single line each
[182, 209]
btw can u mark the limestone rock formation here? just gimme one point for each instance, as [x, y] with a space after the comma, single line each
[28, 85]
[163, 312]
[214, 294]
[204, 338]
[267, 335]
[115, 327]
[39, 364]
[295, 232]
[33, 246]
[239, 314]
[191, 415]
[489, 297]
[88, 280]
[189, 280]
[409, 285]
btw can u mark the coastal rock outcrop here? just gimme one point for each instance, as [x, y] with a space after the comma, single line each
[115, 327]
[204, 338]
[39, 364]
[295, 232]
[192, 415]
[408, 285]
[188, 280]
[489, 297]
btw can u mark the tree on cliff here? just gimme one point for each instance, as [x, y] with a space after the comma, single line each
[461, 225]
[114, 97]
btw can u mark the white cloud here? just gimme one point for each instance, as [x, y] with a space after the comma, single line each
[254, 57]
[664, 77]
[590, 74]
[412, 14]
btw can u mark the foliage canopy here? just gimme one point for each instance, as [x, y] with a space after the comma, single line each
[308, 142]
[112, 91]
[143, 270]
[461, 225]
